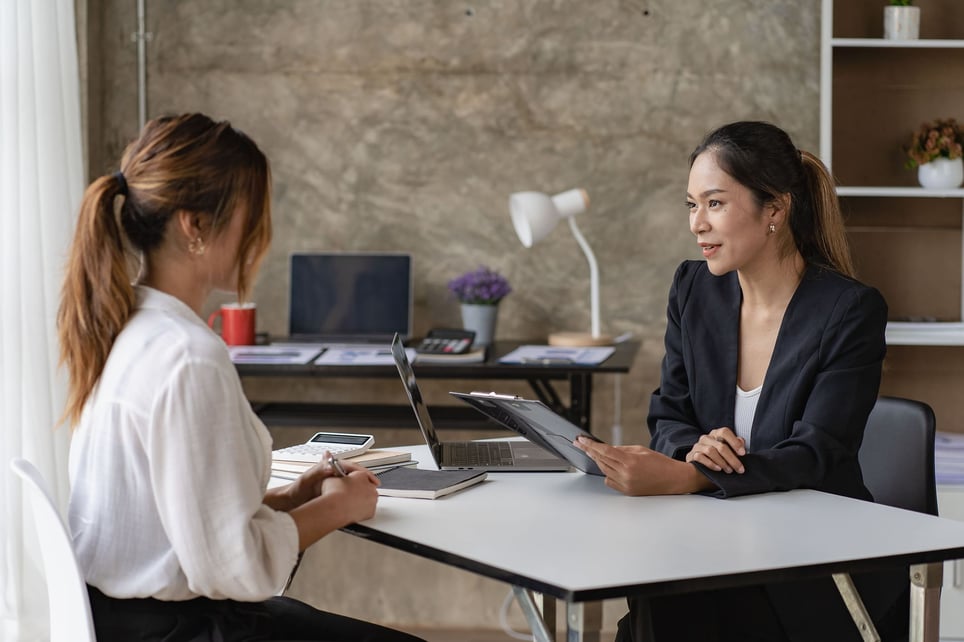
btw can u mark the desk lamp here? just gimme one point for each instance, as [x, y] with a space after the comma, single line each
[534, 215]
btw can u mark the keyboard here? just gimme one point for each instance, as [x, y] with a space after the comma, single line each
[477, 453]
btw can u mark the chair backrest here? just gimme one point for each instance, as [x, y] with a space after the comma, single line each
[897, 454]
[70, 616]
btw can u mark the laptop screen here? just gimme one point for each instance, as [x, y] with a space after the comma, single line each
[415, 397]
[351, 296]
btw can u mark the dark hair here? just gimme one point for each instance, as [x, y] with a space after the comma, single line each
[186, 162]
[762, 158]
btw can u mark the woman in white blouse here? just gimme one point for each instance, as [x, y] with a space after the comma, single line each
[171, 518]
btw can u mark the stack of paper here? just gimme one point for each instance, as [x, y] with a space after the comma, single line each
[360, 356]
[472, 356]
[549, 355]
[372, 459]
[949, 458]
[278, 354]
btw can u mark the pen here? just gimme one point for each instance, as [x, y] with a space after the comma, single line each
[336, 466]
[546, 361]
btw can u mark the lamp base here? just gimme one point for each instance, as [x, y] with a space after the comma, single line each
[579, 339]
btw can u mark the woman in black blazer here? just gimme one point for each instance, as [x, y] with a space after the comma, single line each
[773, 363]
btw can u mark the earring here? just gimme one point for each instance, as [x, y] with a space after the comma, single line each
[196, 247]
[773, 228]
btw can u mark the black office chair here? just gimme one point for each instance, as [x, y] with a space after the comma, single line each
[897, 454]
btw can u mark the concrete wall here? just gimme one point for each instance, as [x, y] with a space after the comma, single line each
[405, 124]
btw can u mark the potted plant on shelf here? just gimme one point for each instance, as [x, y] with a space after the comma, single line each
[935, 150]
[480, 292]
[901, 20]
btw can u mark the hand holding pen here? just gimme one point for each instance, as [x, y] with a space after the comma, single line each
[335, 466]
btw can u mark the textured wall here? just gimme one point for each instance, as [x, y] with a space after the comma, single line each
[404, 125]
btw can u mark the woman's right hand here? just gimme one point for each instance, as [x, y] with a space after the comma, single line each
[356, 494]
[719, 450]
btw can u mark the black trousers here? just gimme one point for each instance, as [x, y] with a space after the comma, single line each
[808, 611]
[204, 620]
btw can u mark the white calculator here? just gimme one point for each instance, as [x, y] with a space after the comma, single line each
[339, 444]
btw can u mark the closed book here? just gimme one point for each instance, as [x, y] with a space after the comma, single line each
[426, 484]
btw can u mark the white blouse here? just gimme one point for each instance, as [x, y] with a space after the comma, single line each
[169, 466]
[744, 412]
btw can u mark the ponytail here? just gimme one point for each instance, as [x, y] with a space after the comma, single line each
[97, 297]
[830, 234]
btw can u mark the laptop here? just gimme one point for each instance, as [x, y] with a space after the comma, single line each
[494, 456]
[348, 298]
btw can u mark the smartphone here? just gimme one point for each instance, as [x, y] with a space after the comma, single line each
[339, 444]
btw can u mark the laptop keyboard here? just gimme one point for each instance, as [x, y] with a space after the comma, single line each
[477, 453]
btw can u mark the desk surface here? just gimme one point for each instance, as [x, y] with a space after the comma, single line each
[620, 362]
[569, 536]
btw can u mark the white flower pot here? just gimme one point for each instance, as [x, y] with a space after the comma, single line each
[941, 173]
[901, 23]
[480, 318]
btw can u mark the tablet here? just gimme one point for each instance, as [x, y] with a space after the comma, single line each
[536, 422]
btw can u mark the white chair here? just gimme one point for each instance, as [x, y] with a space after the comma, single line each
[70, 616]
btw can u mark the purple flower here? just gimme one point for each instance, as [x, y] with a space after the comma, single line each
[482, 286]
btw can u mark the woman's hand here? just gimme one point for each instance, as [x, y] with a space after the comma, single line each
[310, 484]
[720, 450]
[356, 494]
[338, 501]
[637, 470]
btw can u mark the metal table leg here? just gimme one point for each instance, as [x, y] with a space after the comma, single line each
[925, 601]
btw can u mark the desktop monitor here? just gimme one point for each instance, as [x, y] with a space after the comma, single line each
[350, 296]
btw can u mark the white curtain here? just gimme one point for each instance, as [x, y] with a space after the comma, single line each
[41, 181]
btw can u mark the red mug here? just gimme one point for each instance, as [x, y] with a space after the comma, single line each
[237, 323]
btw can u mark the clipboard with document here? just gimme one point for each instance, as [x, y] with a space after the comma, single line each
[536, 422]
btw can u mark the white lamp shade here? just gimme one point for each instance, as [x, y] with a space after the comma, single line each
[535, 214]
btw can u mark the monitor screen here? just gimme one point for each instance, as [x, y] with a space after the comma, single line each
[350, 295]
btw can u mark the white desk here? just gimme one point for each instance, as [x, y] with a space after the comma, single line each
[568, 536]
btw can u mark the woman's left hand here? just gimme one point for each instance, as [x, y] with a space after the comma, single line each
[637, 470]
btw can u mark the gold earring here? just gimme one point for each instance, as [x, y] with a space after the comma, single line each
[196, 247]
[773, 228]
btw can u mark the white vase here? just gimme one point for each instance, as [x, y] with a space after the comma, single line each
[941, 173]
[901, 23]
[480, 318]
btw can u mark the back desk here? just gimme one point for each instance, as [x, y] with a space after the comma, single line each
[542, 378]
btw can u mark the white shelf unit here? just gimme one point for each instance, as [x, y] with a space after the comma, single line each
[898, 333]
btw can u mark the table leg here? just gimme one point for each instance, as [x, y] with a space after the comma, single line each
[580, 400]
[925, 601]
[845, 585]
[583, 621]
[547, 606]
[540, 633]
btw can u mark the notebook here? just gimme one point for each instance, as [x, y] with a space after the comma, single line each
[426, 484]
[496, 456]
[350, 298]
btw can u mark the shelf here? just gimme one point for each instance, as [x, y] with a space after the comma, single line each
[897, 44]
[912, 192]
[946, 333]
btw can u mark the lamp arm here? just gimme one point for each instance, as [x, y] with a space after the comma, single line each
[593, 275]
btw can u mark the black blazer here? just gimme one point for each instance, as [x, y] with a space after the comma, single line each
[820, 386]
